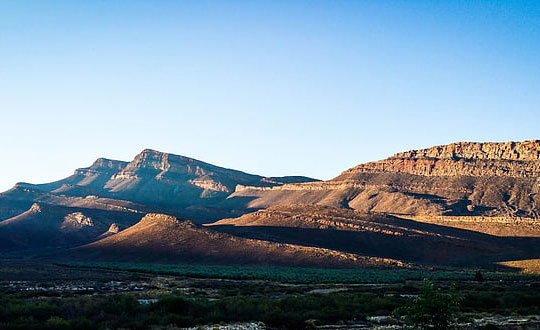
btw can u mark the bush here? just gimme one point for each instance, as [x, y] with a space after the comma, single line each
[56, 322]
[432, 309]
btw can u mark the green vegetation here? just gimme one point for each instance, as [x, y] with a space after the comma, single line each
[283, 298]
[432, 309]
[101, 312]
[304, 275]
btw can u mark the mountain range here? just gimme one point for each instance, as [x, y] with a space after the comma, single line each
[467, 204]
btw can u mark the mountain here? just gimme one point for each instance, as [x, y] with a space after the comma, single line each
[460, 179]
[163, 238]
[45, 226]
[178, 184]
[375, 235]
[467, 204]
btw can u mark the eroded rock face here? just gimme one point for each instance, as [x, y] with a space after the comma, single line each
[76, 221]
[509, 159]
[35, 208]
[102, 165]
[466, 178]
[114, 228]
[157, 218]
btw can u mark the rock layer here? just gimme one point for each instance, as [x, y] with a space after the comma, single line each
[479, 179]
[510, 159]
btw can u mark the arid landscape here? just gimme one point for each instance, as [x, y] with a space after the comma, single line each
[269, 165]
[446, 213]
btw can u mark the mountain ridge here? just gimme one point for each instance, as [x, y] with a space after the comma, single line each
[491, 179]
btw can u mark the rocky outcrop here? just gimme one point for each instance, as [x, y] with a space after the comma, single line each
[76, 221]
[114, 228]
[35, 208]
[520, 151]
[102, 165]
[157, 218]
[510, 159]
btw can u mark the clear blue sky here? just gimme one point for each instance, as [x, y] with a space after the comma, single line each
[273, 88]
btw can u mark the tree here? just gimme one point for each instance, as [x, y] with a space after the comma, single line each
[432, 309]
[479, 276]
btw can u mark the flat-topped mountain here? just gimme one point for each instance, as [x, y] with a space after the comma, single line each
[457, 179]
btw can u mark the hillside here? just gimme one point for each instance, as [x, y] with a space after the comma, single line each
[375, 235]
[461, 179]
[161, 181]
[465, 204]
[45, 226]
[162, 238]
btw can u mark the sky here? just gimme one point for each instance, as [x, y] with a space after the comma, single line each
[267, 87]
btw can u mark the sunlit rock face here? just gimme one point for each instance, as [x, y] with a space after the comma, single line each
[76, 221]
[114, 228]
[465, 178]
[102, 165]
[510, 159]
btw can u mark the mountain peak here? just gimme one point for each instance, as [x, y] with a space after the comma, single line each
[104, 165]
[158, 218]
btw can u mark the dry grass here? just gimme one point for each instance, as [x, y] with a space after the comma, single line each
[528, 266]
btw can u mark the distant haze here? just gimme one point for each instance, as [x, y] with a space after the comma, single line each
[279, 88]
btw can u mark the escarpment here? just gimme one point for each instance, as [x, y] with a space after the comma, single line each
[466, 178]
[510, 159]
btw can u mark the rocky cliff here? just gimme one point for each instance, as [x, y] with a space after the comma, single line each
[466, 178]
[510, 159]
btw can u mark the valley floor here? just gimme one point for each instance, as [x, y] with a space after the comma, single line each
[37, 295]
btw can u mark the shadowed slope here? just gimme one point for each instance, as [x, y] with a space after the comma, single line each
[161, 238]
[47, 226]
[373, 234]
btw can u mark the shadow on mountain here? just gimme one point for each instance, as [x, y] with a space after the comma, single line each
[435, 245]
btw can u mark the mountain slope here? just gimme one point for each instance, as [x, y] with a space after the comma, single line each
[375, 235]
[45, 226]
[177, 184]
[480, 179]
[162, 238]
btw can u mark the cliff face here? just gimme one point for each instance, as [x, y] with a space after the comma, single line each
[102, 165]
[510, 159]
[174, 183]
[463, 178]
[522, 151]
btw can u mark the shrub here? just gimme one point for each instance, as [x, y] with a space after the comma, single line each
[432, 309]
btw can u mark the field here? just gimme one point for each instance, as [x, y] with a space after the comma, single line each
[305, 275]
[142, 296]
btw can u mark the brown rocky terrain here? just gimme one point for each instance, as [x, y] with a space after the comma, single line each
[375, 235]
[459, 204]
[465, 179]
[163, 238]
[45, 226]
[510, 159]
[166, 182]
